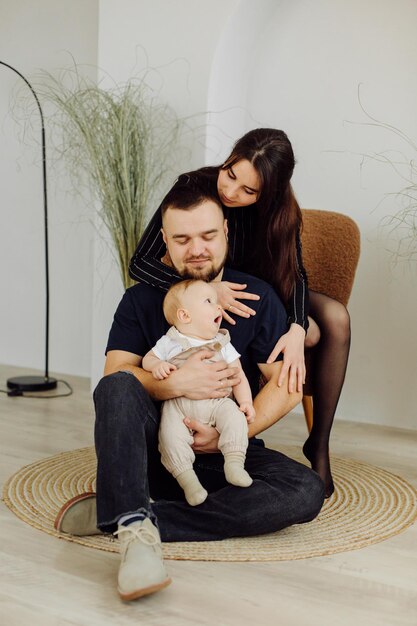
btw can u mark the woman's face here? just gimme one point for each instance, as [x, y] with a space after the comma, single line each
[239, 185]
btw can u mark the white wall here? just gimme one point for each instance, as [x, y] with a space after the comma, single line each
[305, 76]
[291, 65]
[176, 41]
[228, 114]
[37, 35]
[297, 66]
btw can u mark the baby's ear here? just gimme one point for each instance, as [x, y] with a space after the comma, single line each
[183, 316]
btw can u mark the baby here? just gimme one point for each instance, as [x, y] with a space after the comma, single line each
[191, 308]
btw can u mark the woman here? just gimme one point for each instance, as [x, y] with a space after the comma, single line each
[264, 222]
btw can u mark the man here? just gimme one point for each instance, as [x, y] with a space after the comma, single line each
[129, 471]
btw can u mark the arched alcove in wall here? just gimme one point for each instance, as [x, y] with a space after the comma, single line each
[297, 66]
[233, 63]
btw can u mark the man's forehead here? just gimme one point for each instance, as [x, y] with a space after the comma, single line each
[207, 216]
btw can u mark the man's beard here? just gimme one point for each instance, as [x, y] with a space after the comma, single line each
[207, 274]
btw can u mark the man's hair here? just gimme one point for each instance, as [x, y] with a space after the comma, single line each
[189, 191]
[172, 301]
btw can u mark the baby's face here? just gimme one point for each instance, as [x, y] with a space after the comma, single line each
[200, 300]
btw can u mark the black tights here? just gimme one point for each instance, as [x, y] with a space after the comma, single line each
[329, 362]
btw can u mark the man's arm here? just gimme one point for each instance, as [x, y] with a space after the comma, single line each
[195, 380]
[119, 360]
[272, 402]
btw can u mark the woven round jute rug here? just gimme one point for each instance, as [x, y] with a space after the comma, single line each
[368, 506]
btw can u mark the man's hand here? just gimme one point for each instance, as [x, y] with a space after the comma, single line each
[206, 438]
[199, 380]
[248, 409]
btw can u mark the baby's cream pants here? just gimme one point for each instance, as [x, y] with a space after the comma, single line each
[175, 438]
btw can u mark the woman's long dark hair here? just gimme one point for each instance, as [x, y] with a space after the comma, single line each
[279, 216]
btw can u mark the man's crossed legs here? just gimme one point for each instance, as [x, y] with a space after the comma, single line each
[129, 473]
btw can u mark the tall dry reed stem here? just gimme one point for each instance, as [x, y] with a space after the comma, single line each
[402, 222]
[123, 141]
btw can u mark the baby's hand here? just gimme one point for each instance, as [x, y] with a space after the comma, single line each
[248, 410]
[163, 370]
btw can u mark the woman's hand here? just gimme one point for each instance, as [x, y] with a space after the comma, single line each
[226, 296]
[206, 438]
[292, 346]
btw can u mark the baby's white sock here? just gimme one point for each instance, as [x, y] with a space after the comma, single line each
[234, 469]
[193, 489]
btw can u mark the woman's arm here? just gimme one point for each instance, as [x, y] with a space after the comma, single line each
[291, 344]
[297, 306]
[145, 265]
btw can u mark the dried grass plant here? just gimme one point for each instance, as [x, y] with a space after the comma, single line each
[401, 224]
[123, 142]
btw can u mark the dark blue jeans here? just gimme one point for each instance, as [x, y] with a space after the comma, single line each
[129, 473]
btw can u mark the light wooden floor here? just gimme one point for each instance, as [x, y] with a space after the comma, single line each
[47, 582]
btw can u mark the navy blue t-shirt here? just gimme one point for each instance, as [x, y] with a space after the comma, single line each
[139, 322]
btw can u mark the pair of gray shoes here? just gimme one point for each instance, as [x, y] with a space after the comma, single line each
[142, 569]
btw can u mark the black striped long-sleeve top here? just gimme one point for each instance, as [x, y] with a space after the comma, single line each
[146, 266]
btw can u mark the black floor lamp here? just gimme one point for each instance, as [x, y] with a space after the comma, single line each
[37, 383]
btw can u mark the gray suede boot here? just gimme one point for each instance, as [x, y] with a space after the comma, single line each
[142, 569]
[78, 516]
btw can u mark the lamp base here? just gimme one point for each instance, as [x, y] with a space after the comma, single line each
[31, 383]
